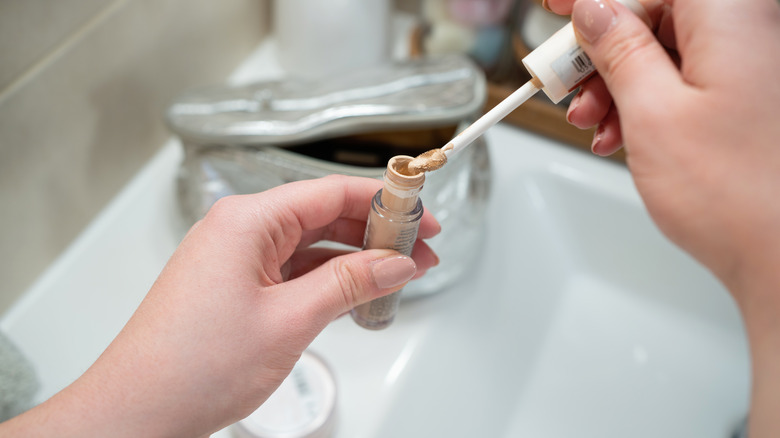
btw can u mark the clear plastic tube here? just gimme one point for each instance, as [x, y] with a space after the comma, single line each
[393, 221]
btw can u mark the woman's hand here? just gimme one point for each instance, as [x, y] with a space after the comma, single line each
[238, 302]
[695, 103]
[698, 120]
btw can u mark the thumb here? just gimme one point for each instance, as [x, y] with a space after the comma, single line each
[344, 282]
[624, 50]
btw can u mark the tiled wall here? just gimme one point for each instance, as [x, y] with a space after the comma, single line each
[83, 86]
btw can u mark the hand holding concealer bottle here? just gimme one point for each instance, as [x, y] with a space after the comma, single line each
[393, 221]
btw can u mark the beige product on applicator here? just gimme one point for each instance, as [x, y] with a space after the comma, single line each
[558, 67]
[393, 221]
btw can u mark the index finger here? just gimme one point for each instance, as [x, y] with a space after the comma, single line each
[318, 203]
[654, 8]
[313, 204]
[335, 207]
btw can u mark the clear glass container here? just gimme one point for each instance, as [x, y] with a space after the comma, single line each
[456, 194]
[250, 138]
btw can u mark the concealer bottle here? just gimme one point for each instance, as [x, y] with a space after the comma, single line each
[393, 222]
[560, 65]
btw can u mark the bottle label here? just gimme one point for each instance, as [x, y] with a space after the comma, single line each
[573, 67]
[404, 241]
[384, 234]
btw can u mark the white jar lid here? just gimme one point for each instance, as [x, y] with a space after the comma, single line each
[303, 406]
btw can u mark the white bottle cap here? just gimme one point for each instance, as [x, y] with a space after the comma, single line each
[303, 406]
[560, 64]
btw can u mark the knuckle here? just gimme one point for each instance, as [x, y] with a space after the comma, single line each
[626, 50]
[223, 206]
[227, 210]
[335, 177]
[348, 282]
[335, 180]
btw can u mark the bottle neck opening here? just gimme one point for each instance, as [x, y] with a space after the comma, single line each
[402, 189]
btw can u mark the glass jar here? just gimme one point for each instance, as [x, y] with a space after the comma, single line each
[456, 194]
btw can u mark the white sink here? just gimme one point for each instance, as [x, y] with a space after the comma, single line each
[580, 321]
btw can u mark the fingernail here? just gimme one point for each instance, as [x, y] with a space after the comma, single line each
[592, 18]
[597, 137]
[392, 271]
[545, 5]
[573, 106]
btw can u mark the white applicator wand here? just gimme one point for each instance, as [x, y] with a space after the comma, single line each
[490, 118]
[558, 66]
[436, 158]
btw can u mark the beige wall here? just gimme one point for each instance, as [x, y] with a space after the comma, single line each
[83, 86]
[411, 6]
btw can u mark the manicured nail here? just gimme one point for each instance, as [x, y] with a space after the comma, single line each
[573, 106]
[592, 18]
[392, 271]
[597, 137]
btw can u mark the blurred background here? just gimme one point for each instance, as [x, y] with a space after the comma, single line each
[83, 86]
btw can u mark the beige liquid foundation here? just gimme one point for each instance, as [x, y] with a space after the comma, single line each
[393, 222]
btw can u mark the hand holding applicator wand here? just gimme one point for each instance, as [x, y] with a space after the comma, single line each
[558, 67]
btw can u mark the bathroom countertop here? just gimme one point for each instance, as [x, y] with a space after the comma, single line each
[68, 317]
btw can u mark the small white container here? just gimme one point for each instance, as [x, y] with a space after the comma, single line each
[320, 38]
[304, 405]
